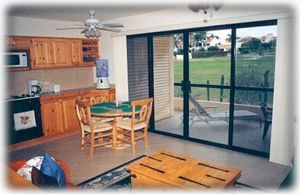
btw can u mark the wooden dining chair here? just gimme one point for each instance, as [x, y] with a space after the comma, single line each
[136, 128]
[92, 132]
[101, 99]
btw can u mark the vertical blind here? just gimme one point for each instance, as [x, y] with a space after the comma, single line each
[137, 56]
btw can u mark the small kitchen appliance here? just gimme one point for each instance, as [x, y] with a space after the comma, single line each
[17, 58]
[34, 88]
[102, 74]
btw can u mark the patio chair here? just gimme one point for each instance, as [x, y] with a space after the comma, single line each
[267, 112]
[200, 113]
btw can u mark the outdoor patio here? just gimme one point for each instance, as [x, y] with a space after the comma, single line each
[246, 133]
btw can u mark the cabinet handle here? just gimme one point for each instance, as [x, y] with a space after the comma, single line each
[52, 110]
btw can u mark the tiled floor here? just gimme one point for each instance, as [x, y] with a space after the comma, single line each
[256, 171]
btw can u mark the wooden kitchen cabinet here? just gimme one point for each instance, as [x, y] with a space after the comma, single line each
[55, 52]
[59, 112]
[52, 117]
[60, 53]
[18, 43]
[76, 52]
[70, 119]
[50, 53]
[41, 53]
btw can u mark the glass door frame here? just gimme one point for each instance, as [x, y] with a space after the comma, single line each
[185, 84]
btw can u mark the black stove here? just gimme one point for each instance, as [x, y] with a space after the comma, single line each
[23, 118]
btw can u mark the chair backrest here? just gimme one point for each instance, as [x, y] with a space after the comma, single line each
[83, 110]
[144, 113]
[267, 111]
[100, 99]
[199, 108]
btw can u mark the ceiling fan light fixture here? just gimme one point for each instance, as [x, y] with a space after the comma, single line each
[92, 33]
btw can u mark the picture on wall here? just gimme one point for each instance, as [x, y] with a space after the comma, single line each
[102, 68]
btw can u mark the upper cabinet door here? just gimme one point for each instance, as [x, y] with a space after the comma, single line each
[41, 53]
[60, 52]
[76, 52]
[18, 42]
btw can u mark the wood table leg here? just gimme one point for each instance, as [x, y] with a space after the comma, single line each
[119, 144]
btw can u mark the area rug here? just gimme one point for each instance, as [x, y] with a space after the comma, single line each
[115, 179]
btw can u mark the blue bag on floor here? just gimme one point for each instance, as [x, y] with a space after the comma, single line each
[51, 168]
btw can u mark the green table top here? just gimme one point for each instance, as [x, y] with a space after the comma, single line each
[106, 107]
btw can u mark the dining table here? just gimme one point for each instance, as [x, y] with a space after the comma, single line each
[117, 111]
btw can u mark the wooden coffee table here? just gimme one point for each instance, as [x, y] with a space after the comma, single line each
[165, 169]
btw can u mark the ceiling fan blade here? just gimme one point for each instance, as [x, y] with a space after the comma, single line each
[79, 25]
[108, 28]
[118, 25]
[71, 28]
[83, 31]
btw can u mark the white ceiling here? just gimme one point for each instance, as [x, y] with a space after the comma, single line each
[80, 13]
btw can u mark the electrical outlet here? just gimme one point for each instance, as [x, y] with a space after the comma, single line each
[46, 82]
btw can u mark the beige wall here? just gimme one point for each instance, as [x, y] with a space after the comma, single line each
[72, 78]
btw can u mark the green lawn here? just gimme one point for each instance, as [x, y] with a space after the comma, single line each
[250, 71]
[213, 68]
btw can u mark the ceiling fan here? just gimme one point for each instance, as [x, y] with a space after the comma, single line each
[205, 7]
[91, 27]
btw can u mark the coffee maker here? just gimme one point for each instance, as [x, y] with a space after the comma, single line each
[34, 88]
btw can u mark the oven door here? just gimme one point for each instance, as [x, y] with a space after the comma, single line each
[24, 120]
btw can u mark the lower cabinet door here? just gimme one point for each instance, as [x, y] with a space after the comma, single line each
[70, 119]
[51, 118]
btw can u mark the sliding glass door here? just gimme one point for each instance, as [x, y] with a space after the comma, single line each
[210, 85]
[254, 82]
[209, 74]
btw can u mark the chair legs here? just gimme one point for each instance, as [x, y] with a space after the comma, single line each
[145, 138]
[92, 140]
[99, 141]
[266, 128]
[132, 142]
[82, 143]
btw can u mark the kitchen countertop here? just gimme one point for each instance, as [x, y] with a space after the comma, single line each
[64, 92]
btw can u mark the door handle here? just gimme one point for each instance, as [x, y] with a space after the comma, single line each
[185, 85]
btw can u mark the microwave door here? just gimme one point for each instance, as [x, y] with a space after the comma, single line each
[13, 60]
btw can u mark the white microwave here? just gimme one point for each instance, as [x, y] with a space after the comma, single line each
[17, 59]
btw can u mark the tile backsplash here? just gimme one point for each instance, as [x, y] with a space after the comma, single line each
[70, 78]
